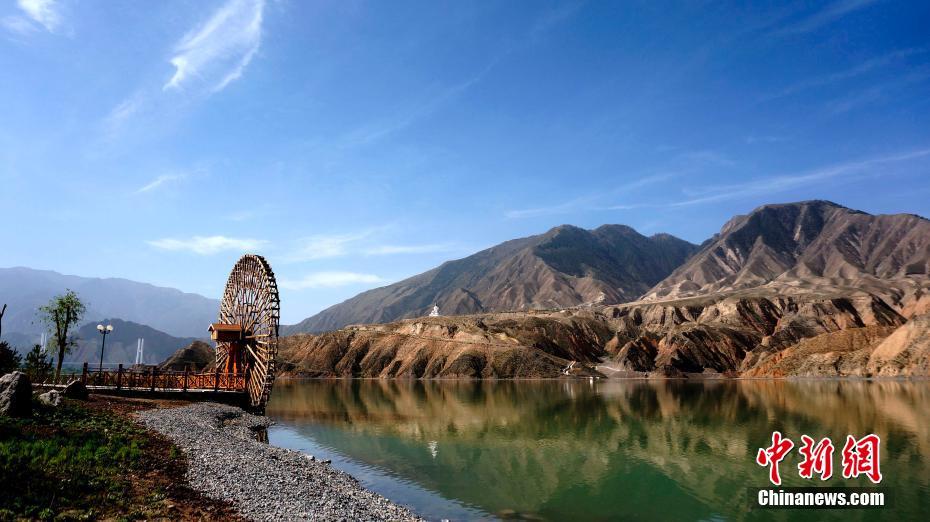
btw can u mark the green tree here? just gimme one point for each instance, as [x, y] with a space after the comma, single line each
[61, 314]
[9, 359]
[37, 364]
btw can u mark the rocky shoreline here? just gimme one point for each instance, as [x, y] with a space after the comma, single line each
[227, 462]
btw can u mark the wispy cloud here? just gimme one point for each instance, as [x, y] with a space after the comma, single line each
[159, 181]
[329, 280]
[588, 202]
[877, 92]
[385, 250]
[790, 181]
[46, 13]
[825, 16]
[324, 246]
[122, 112]
[207, 245]
[18, 25]
[550, 210]
[753, 139]
[374, 131]
[218, 51]
[860, 69]
[437, 98]
[316, 247]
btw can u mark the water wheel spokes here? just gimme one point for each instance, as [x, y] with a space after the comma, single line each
[247, 332]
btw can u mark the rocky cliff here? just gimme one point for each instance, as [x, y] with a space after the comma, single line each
[750, 335]
[504, 345]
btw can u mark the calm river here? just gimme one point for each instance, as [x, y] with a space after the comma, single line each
[609, 450]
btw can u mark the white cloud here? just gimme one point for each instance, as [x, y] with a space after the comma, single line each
[206, 245]
[385, 250]
[217, 52]
[47, 13]
[329, 280]
[159, 181]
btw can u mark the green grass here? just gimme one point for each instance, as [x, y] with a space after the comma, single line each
[68, 462]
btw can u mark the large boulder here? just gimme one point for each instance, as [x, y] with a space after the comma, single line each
[50, 398]
[15, 395]
[75, 390]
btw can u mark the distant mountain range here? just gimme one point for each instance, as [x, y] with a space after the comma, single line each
[121, 343]
[566, 266]
[166, 309]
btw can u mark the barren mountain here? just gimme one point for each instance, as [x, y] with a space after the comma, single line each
[497, 345]
[804, 289]
[807, 244]
[807, 334]
[566, 266]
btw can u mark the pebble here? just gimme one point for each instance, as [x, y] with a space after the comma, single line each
[263, 482]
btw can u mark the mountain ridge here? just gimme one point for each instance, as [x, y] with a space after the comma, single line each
[565, 266]
[170, 310]
[803, 242]
[121, 343]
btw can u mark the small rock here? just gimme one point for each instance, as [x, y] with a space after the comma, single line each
[76, 390]
[50, 398]
[15, 395]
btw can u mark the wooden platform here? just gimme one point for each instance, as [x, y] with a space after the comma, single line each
[159, 384]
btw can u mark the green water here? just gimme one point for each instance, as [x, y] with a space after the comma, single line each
[610, 450]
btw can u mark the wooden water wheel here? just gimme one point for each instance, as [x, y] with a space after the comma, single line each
[247, 332]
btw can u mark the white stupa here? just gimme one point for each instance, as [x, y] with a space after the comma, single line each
[435, 312]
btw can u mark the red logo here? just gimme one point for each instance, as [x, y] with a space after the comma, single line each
[817, 459]
[860, 457]
[773, 455]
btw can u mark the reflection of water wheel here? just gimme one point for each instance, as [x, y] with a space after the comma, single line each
[247, 332]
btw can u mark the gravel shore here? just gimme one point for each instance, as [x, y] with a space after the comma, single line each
[263, 482]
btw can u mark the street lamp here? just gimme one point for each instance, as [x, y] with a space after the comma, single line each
[104, 330]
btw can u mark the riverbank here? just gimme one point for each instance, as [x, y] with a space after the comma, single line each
[228, 462]
[86, 460]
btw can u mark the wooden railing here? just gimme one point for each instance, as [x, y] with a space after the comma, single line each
[154, 379]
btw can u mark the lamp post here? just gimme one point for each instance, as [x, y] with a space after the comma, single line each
[104, 330]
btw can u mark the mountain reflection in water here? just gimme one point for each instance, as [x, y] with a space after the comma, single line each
[559, 450]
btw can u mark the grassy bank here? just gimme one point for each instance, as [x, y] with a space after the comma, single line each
[89, 460]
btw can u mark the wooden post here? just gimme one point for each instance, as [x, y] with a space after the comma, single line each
[153, 379]
[119, 376]
[185, 379]
[83, 375]
[216, 380]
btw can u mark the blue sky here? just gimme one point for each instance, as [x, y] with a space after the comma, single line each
[356, 143]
